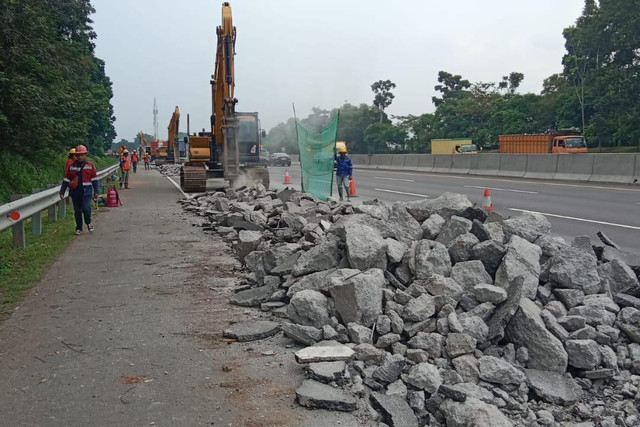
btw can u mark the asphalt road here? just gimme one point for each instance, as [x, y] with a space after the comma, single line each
[125, 329]
[574, 209]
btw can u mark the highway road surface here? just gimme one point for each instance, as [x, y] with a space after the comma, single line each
[574, 209]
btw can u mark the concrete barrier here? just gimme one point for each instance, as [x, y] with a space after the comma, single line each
[442, 162]
[541, 166]
[575, 167]
[461, 163]
[514, 165]
[375, 160]
[613, 168]
[397, 162]
[360, 159]
[486, 164]
[411, 162]
[295, 157]
[425, 162]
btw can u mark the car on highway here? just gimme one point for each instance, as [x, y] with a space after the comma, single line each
[263, 159]
[279, 159]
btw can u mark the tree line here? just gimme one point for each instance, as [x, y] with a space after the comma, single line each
[54, 93]
[597, 91]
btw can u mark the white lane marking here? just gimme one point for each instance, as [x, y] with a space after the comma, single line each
[400, 192]
[178, 187]
[395, 179]
[501, 189]
[633, 227]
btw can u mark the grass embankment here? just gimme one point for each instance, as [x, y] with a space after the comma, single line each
[19, 175]
[21, 269]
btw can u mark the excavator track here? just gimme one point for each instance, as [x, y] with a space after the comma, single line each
[193, 179]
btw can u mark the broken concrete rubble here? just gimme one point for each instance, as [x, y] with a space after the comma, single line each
[438, 312]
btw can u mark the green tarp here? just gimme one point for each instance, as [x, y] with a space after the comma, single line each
[317, 153]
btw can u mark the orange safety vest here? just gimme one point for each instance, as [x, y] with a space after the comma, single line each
[126, 165]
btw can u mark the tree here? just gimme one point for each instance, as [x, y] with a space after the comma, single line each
[450, 86]
[384, 137]
[54, 91]
[602, 64]
[511, 82]
[383, 96]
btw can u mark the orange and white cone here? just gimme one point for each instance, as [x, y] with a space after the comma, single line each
[488, 205]
[287, 178]
[352, 188]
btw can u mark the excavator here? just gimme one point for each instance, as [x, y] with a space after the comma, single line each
[232, 149]
[169, 153]
[145, 147]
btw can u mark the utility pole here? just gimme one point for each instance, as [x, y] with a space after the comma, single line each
[155, 119]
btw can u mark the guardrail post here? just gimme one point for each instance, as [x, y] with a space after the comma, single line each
[36, 218]
[19, 237]
[53, 213]
[62, 207]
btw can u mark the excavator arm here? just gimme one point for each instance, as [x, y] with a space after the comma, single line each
[224, 122]
[144, 144]
[234, 140]
[172, 137]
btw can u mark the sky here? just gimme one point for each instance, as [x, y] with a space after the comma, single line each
[318, 53]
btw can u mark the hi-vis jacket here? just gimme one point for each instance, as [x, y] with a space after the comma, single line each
[87, 179]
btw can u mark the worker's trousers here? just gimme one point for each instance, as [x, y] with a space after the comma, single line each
[135, 167]
[124, 179]
[81, 207]
[343, 181]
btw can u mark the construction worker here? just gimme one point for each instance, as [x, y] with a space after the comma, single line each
[71, 159]
[344, 172]
[125, 166]
[82, 181]
[134, 160]
[145, 158]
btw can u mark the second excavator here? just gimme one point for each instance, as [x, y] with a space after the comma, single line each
[232, 149]
[170, 153]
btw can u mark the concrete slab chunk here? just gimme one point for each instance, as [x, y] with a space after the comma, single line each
[313, 394]
[395, 410]
[324, 351]
[252, 330]
[553, 387]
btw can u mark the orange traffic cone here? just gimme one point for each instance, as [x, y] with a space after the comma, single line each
[352, 188]
[488, 205]
[287, 179]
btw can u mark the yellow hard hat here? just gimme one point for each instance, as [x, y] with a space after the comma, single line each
[72, 151]
[342, 149]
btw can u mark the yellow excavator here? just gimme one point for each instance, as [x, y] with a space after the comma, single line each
[170, 153]
[232, 149]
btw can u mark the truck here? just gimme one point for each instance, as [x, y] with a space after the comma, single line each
[564, 141]
[453, 146]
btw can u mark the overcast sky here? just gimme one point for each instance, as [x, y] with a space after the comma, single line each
[318, 53]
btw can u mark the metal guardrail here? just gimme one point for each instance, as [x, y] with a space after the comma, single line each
[14, 214]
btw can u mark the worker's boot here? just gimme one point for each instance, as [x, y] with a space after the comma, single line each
[126, 186]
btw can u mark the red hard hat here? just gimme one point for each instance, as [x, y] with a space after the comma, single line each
[81, 149]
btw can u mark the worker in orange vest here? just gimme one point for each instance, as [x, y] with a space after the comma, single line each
[145, 157]
[125, 166]
[82, 181]
[134, 160]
